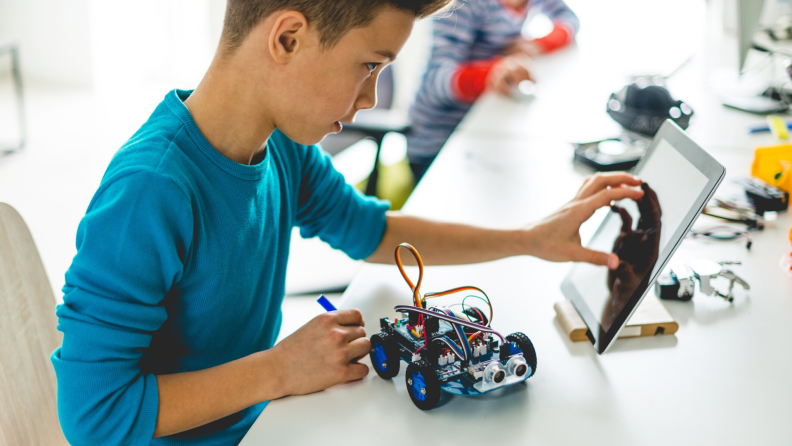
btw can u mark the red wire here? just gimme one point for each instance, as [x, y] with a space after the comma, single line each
[481, 316]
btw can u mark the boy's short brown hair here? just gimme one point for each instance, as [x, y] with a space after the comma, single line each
[332, 18]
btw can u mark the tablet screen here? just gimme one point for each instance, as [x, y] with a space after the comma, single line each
[643, 234]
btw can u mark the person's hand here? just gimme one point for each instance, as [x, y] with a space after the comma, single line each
[324, 352]
[522, 46]
[507, 73]
[557, 237]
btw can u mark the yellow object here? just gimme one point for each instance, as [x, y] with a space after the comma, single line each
[777, 126]
[773, 165]
[395, 183]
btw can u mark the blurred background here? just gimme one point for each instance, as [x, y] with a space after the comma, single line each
[93, 70]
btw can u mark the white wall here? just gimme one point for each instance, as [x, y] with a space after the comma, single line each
[54, 38]
[108, 43]
[171, 40]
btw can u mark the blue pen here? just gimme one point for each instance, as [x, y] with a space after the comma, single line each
[764, 128]
[326, 303]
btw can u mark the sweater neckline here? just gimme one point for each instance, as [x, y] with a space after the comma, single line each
[175, 102]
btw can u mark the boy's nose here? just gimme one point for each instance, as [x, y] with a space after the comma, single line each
[368, 95]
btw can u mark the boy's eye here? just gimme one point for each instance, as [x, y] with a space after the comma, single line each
[372, 66]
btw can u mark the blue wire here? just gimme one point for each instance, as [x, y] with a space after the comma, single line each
[462, 338]
[451, 344]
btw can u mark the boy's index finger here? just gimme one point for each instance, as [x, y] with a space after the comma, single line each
[606, 196]
[605, 180]
[349, 316]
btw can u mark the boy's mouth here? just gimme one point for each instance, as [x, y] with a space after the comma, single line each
[338, 126]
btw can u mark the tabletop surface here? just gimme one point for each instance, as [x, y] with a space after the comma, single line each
[721, 379]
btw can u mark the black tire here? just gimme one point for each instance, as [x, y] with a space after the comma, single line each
[384, 355]
[528, 351]
[425, 395]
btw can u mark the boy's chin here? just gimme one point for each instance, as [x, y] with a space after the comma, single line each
[309, 138]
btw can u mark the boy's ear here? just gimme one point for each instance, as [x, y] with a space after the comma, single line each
[288, 33]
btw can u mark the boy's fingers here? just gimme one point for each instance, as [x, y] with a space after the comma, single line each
[601, 181]
[351, 316]
[606, 196]
[597, 258]
[356, 371]
[358, 348]
[353, 332]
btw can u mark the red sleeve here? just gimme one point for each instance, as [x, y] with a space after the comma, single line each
[470, 79]
[558, 37]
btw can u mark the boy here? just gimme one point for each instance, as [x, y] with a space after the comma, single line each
[479, 46]
[172, 303]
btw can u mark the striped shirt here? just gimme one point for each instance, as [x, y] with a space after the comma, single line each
[477, 30]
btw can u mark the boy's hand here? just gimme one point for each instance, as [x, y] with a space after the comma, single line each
[507, 73]
[523, 46]
[324, 352]
[557, 237]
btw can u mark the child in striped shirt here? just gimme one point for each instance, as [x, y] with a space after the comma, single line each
[479, 46]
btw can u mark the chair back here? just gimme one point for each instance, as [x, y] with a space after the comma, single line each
[28, 335]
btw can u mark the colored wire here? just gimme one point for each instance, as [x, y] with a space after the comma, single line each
[464, 350]
[468, 316]
[459, 332]
[723, 233]
[485, 299]
[481, 316]
[453, 320]
[457, 329]
[452, 345]
[470, 338]
[415, 288]
[462, 336]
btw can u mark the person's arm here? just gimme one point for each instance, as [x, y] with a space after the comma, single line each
[565, 27]
[561, 14]
[555, 238]
[451, 78]
[131, 247]
[331, 342]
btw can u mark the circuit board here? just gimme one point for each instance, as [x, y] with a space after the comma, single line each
[452, 370]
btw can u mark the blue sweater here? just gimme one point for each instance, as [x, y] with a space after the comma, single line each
[180, 266]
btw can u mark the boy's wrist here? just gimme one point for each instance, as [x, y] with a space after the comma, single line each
[515, 242]
[271, 374]
[525, 241]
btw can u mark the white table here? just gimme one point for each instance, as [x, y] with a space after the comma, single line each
[722, 379]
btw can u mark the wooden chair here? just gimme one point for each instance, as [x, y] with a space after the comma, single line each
[28, 336]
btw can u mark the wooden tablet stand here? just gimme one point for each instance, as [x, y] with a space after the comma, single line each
[651, 318]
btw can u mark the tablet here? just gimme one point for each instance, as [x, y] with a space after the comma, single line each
[679, 179]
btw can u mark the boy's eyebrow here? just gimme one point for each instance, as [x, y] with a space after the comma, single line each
[387, 54]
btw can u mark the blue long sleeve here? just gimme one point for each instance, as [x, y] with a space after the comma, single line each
[131, 248]
[336, 217]
[181, 265]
